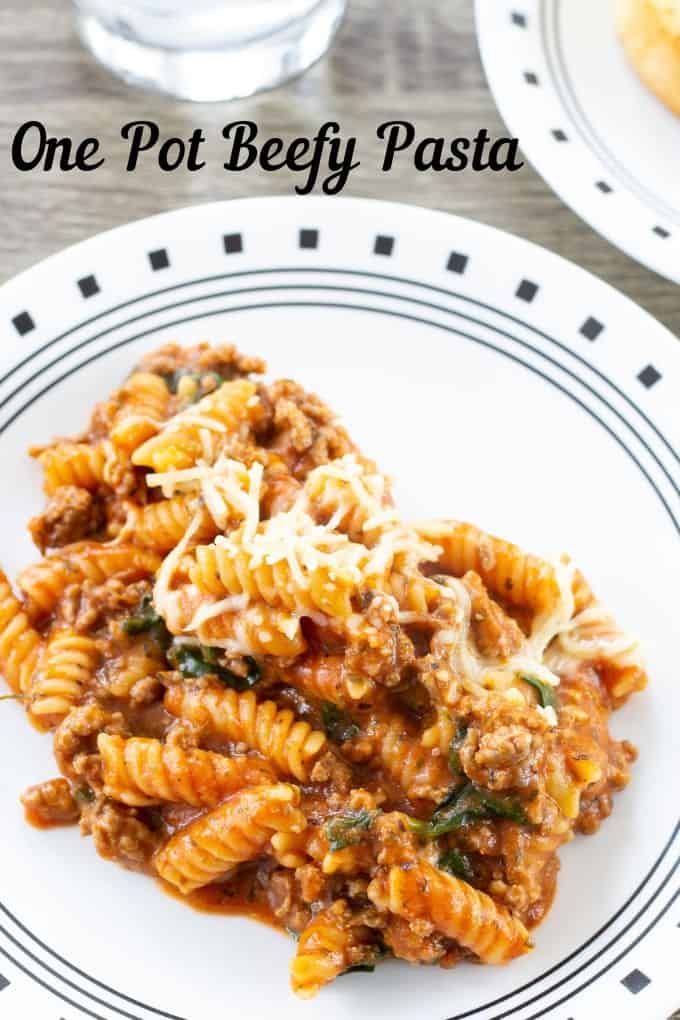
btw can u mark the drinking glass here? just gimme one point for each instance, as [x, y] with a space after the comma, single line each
[208, 50]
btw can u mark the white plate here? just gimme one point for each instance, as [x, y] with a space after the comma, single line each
[498, 383]
[606, 145]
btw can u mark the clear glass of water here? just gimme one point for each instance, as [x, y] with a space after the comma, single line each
[208, 50]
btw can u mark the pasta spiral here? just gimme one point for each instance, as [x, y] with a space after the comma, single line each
[20, 644]
[257, 630]
[72, 464]
[68, 664]
[421, 771]
[179, 444]
[127, 669]
[518, 577]
[325, 678]
[328, 946]
[352, 496]
[293, 746]
[45, 582]
[141, 771]
[593, 636]
[237, 831]
[144, 400]
[161, 526]
[228, 567]
[422, 892]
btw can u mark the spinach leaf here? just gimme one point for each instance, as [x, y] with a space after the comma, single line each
[338, 726]
[147, 620]
[468, 804]
[346, 829]
[366, 968]
[85, 794]
[547, 695]
[454, 749]
[200, 660]
[456, 863]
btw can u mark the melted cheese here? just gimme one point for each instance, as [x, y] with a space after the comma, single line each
[227, 487]
[355, 493]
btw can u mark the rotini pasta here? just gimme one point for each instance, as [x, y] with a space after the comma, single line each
[257, 630]
[507, 571]
[292, 745]
[141, 771]
[20, 644]
[79, 464]
[418, 770]
[161, 526]
[422, 892]
[68, 664]
[143, 406]
[237, 831]
[272, 692]
[44, 582]
[283, 573]
[330, 944]
[182, 442]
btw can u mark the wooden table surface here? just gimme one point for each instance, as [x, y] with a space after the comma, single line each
[391, 59]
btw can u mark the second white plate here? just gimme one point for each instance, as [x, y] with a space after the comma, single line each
[605, 144]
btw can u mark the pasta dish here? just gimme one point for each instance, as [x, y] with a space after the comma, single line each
[276, 695]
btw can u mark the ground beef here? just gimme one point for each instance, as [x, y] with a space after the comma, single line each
[50, 803]
[416, 942]
[284, 899]
[496, 634]
[330, 769]
[119, 834]
[505, 748]
[304, 432]
[75, 741]
[71, 515]
[312, 882]
[377, 647]
[85, 605]
[593, 812]
[225, 361]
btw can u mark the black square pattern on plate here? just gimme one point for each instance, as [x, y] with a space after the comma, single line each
[649, 376]
[383, 245]
[88, 286]
[661, 232]
[559, 135]
[159, 259]
[519, 19]
[309, 239]
[23, 323]
[233, 244]
[635, 981]
[457, 262]
[4, 982]
[603, 187]
[527, 291]
[591, 328]
[530, 78]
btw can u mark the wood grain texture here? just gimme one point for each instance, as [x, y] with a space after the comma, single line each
[391, 59]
